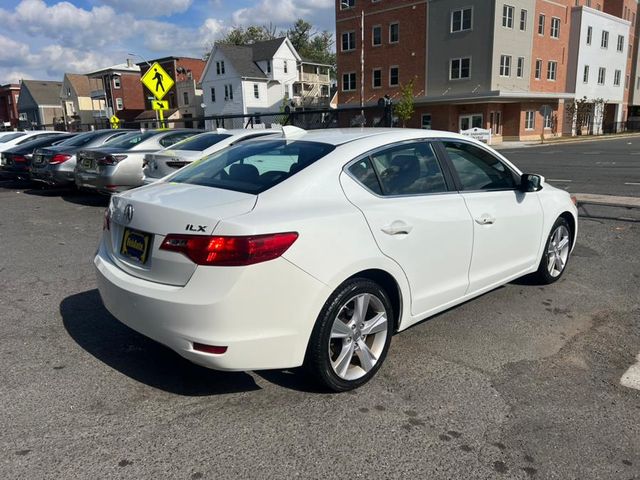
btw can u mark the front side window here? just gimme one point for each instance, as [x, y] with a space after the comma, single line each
[459, 68]
[507, 16]
[505, 65]
[409, 170]
[252, 167]
[394, 33]
[478, 169]
[461, 20]
[552, 70]
[348, 41]
[555, 27]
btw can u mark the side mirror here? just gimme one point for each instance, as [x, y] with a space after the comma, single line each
[530, 182]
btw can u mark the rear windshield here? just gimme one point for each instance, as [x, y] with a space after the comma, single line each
[253, 167]
[200, 142]
[130, 140]
[84, 139]
[10, 136]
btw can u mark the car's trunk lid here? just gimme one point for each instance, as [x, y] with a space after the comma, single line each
[143, 217]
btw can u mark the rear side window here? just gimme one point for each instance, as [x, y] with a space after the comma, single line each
[174, 138]
[200, 142]
[33, 137]
[478, 169]
[10, 136]
[363, 171]
[79, 140]
[253, 167]
[129, 140]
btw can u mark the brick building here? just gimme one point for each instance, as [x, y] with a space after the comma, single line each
[490, 64]
[9, 106]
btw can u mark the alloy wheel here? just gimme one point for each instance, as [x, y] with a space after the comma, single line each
[558, 251]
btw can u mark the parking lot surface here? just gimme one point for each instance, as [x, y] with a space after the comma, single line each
[523, 382]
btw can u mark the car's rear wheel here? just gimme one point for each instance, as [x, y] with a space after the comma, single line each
[556, 253]
[352, 335]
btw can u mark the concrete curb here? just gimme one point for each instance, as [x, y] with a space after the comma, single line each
[607, 200]
[549, 143]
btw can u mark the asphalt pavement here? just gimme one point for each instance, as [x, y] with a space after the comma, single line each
[607, 166]
[521, 383]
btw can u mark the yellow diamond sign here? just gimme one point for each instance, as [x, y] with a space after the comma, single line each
[160, 104]
[157, 80]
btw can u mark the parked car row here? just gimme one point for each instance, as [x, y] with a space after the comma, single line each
[111, 161]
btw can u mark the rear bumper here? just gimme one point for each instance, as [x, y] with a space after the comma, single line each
[15, 171]
[52, 176]
[263, 314]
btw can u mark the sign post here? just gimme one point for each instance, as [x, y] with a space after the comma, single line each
[115, 122]
[158, 81]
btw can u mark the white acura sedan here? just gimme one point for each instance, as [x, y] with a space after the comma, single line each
[313, 248]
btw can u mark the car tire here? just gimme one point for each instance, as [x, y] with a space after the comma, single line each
[557, 249]
[351, 337]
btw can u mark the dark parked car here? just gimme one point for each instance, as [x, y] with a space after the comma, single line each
[55, 165]
[16, 162]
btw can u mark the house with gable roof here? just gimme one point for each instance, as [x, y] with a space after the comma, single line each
[78, 107]
[246, 79]
[39, 104]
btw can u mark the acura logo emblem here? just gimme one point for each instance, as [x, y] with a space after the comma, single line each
[128, 213]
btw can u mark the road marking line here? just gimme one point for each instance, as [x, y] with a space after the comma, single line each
[631, 378]
[632, 183]
[559, 180]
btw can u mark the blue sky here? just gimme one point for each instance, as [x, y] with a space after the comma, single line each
[43, 39]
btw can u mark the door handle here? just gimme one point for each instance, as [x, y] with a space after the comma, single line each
[485, 219]
[397, 228]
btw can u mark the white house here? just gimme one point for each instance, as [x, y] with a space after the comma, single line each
[246, 79]
[598, 52]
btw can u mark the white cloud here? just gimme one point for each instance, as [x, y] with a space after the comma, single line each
[150, 8]
[283, 13]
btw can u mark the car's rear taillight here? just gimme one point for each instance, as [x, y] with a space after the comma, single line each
[111, 159]
[59, 158]
[19, 159]
[230, 251]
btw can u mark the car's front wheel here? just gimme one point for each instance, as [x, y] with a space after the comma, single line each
[352, 335]
[556, 253]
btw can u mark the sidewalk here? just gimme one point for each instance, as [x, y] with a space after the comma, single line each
[563, 140]
[607, 200]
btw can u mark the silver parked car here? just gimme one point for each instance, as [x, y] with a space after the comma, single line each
[167, 161]
[117, 165]
[55, 165]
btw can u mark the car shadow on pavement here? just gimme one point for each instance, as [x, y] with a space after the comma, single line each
[140, 358]
[71, 195]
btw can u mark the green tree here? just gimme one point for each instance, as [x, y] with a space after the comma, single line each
[311, 45]
[405, 107]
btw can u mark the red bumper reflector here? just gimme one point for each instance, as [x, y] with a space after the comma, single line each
[214, 349]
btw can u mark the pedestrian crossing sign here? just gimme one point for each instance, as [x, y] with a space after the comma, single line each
[160, 104]
[157, 80]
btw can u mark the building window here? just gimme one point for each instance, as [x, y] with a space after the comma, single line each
[589, 35]
[552, 70]
[602, 75]
[459, 68]
[256, 91]
[394, 77]
[394, 33]
[213, 94]
[495, 122]
[461, 20]
[377, 78]
[119, 104]
[185, 97]
[348, 82]
[546, 122]
[617, 75]
[620, 46]
[638, 83]
[520, 68]
[538, 69]
[228, 92]
[220, 67]
[505, 65]
[348, 42]
[627, 79]
[376, 36]
[585, 75]
[268, 66]
[426, 121]
[507, 16]
[541, 20]
[555, 27]
[346, 4]
[286, 67]
[530, 120]
[604, 42]
[523, 20]
[116, 81]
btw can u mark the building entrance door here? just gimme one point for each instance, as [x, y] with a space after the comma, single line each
[465, 122]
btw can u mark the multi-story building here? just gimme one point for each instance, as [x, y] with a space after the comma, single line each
[121, 93]
[39, 105]
[78, 108]
[507, 65]
[9, 106]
